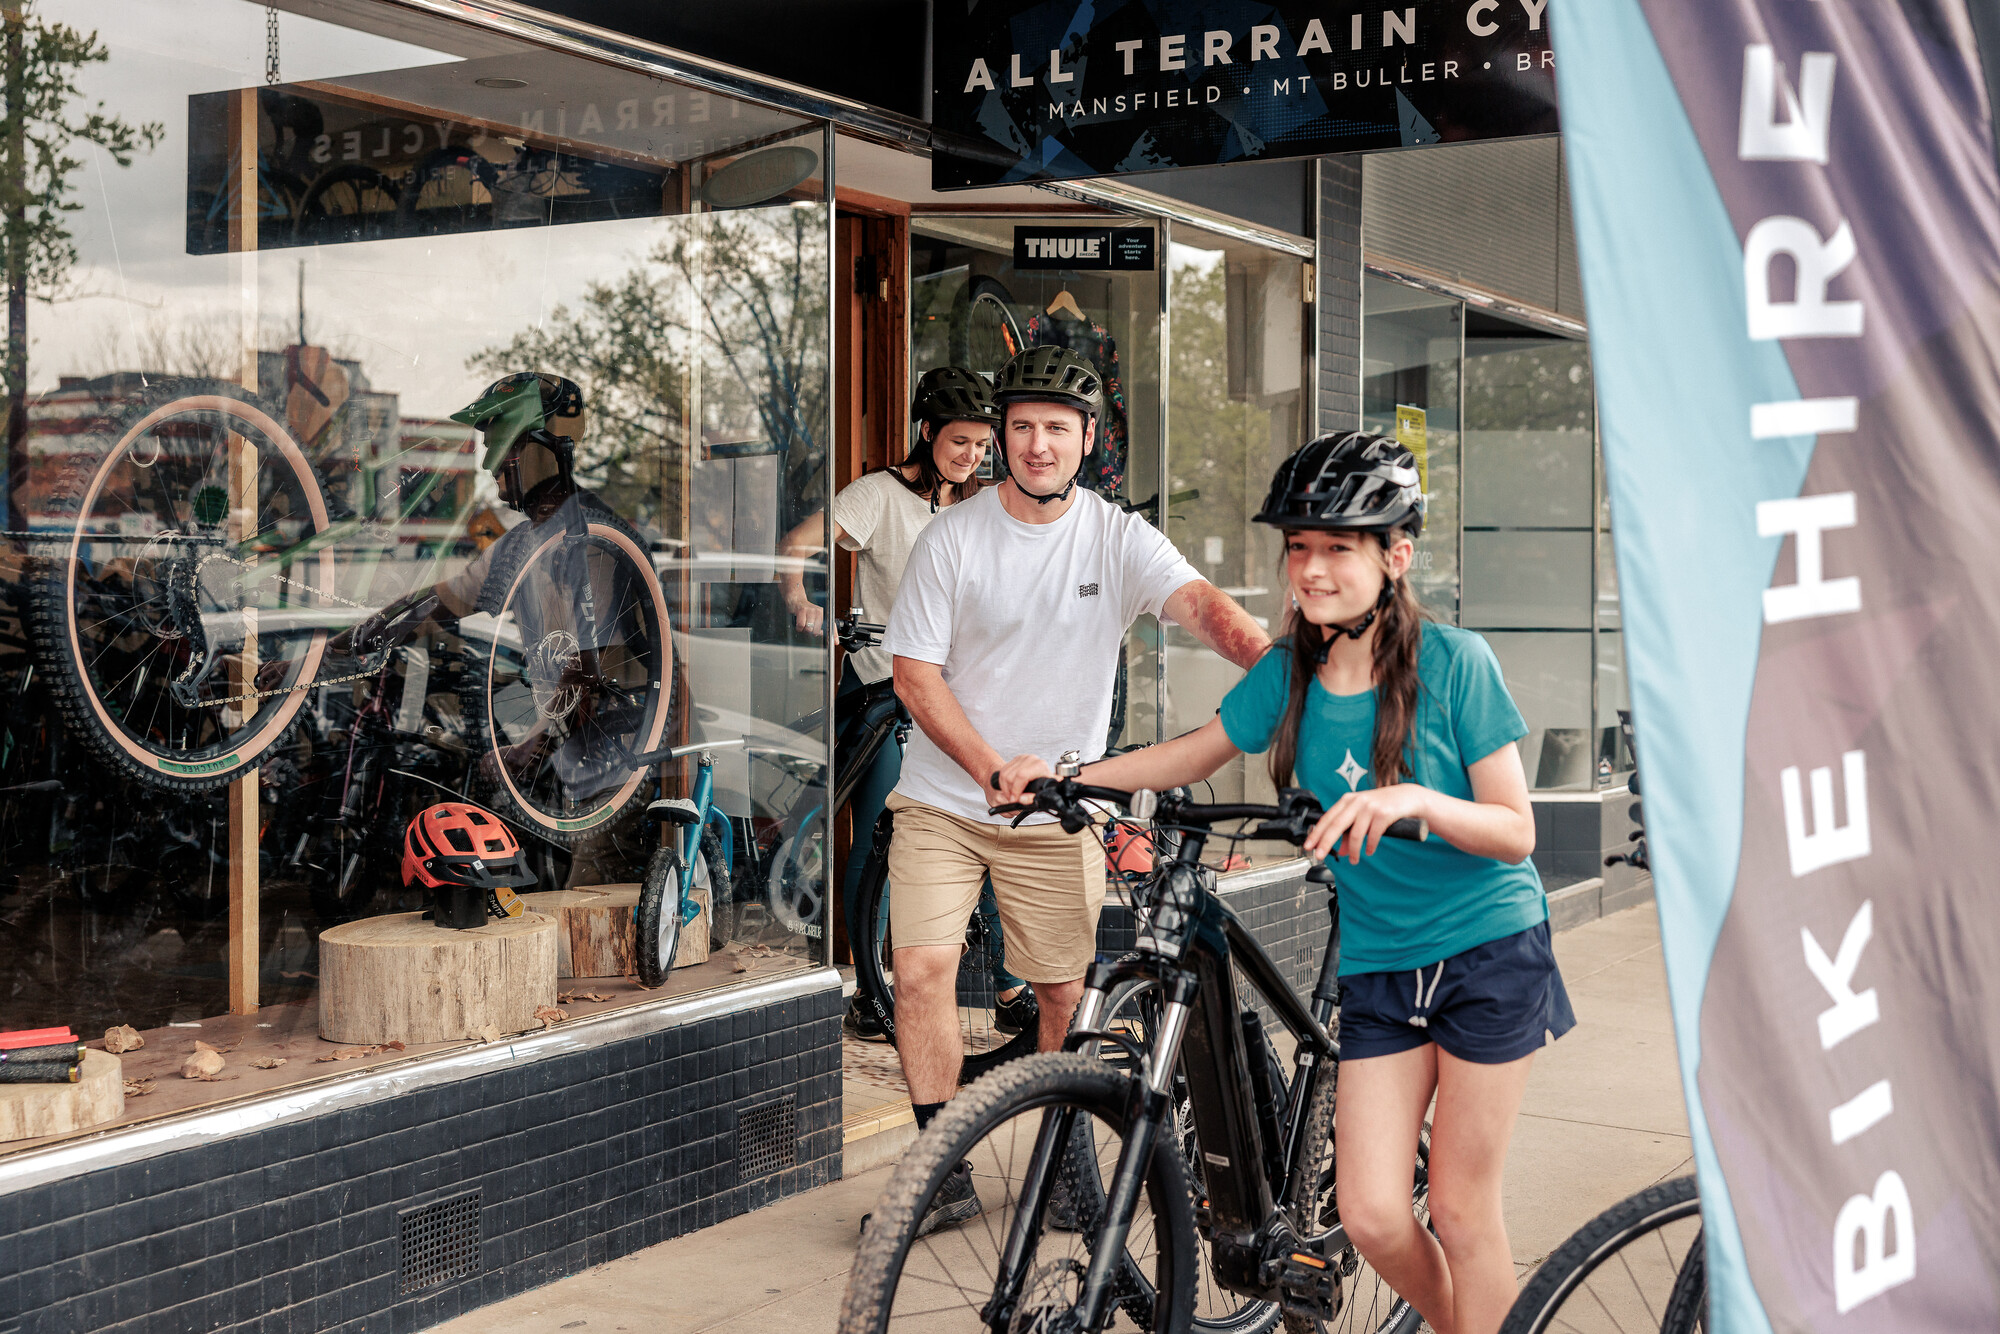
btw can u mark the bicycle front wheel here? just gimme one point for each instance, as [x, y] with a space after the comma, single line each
[1637, 1265]
[659, 914]
[908, 1278]
[194, 551]
[573, 689]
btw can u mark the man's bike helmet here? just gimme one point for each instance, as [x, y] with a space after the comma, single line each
[1349, 481]
[515, 406]
[952, 393]
[455, 846]
[1050, 375]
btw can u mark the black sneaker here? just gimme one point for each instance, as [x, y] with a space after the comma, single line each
[955, 1202]
[861, 1021]
[1018, 1014]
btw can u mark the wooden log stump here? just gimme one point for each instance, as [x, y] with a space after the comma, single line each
[399, 978]
[30, 1111]
[595, 936]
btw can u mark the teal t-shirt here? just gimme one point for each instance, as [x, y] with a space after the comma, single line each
[1411, 904]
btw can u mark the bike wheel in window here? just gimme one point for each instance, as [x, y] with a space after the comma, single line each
[571, 689]
[984, 332]
[193, 548]
[451, 190]
[350, 202]
[795, 888]
[659, 914]
[1637, 1265]
[1368, 1305]
[986, 1044]
[903, 1281]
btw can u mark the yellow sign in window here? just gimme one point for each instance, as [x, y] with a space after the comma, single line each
[1412, 434]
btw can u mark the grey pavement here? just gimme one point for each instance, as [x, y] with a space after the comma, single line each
[1603, 1117]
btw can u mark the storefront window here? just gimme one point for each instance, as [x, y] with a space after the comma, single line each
[970, 306]
[268, 590]
[1409, 389]
[1236, 323]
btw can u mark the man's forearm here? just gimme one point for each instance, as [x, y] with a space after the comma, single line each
[1220, 622]
[921, 686]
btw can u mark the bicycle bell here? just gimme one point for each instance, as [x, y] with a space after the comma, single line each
[1070, 764]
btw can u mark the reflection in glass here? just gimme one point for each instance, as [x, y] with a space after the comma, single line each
[1409, 389]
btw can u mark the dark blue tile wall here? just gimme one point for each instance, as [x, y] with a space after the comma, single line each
[579, 1158]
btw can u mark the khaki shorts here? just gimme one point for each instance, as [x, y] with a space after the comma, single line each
[1049, 884]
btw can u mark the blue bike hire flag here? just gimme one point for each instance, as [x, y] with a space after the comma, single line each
[1788, 216]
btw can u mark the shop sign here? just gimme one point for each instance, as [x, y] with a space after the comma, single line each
[1031, 90]
[341, 168]
[1083, 247]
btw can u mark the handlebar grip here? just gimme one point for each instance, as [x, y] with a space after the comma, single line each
[1412, 827]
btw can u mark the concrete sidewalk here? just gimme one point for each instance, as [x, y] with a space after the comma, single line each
[1603, 1117]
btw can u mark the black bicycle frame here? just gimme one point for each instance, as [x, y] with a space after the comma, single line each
[1202, 1029]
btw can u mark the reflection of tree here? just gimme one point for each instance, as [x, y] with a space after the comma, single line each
[749, 289]
[40, 125]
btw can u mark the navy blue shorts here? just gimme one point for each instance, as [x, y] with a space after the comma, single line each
[1491, 1004]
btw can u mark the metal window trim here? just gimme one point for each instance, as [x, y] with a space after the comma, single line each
[1479, 299]
[1112, 194]
[115, 1148]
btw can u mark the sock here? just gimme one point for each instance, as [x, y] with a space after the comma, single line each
[925, 1111]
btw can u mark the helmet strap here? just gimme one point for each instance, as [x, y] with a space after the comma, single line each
[1332, 634]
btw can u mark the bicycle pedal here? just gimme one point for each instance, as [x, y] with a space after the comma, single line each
[1308, 1285]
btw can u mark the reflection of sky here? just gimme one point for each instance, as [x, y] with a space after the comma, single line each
[411, 310]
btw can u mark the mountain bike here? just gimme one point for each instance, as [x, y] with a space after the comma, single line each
[1083, 1221]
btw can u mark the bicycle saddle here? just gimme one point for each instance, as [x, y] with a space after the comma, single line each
[674, 810]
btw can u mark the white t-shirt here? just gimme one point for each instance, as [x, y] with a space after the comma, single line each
[1026, 620]
[880, 518]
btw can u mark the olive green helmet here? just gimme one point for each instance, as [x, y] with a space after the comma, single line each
[516, 405]
[1050, 375]
[952, 393]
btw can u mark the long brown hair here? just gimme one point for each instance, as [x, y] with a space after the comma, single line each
[1399, 641]
[930, 482]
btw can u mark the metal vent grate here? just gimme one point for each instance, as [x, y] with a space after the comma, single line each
[767, 1138]
[440, 1242]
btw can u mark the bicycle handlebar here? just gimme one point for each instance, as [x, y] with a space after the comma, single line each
[1291, 821]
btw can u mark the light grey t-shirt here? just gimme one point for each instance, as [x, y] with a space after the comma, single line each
[1026, 620]
[880, 518]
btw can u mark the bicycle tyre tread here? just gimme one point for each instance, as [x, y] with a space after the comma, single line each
[1593, 1243]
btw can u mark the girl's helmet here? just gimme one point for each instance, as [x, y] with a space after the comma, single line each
[515, 406]
[1349, 480]
[1050, 375]
[952, 393]
[458, 844]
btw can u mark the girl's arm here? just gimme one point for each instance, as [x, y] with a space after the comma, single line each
[1188, 758]
[1498, 822]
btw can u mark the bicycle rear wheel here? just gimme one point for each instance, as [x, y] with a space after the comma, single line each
[195, 548]
[1638, 1265]
[559, 712]
[903, 1281]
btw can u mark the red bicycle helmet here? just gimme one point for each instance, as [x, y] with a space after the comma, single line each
[457, 844]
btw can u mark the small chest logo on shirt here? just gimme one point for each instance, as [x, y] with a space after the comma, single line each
[1086, 590]
[1352, 772]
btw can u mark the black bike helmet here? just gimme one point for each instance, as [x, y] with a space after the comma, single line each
[952, 393]
[1350, 480]
[1050, 375]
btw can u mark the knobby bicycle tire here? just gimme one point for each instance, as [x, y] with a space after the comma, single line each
[150, 508]
[1363, 1308]
[504, 704]
[1682, 1308]
[871, 974]
[1050, 1080]
[658, 915]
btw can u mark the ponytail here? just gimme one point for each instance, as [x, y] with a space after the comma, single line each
[1399, 639]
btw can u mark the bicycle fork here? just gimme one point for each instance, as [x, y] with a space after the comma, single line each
[1100, 1284]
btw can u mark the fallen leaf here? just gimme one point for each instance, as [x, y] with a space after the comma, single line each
[267, 1062]
[122, 1038]
[138, 1088]
[390, 1046]
[351, 1053]
[565, 997]
[550, 1016]
[205, 1062]
[486, 1033]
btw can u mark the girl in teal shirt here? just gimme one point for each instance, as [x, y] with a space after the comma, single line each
[1448, 984]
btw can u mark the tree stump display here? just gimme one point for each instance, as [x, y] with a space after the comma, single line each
[399, 978]
[596, 937]
[30, 1111]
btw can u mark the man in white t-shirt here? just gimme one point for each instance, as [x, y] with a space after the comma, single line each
[1005, 636]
